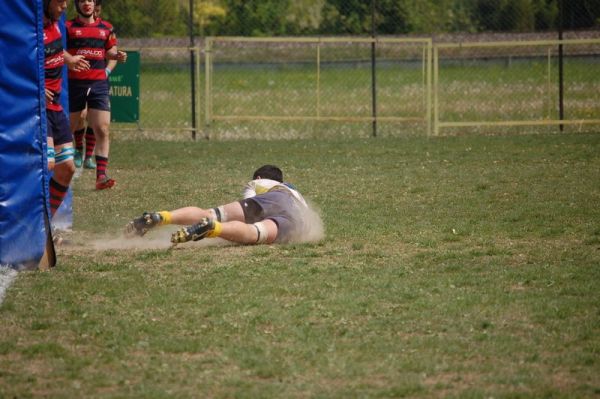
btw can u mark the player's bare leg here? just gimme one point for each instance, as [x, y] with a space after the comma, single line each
[244, 233]
[183, 216]
[99, 121]
[191, 214]
[51, 153]
[63, 169]
[263, 232]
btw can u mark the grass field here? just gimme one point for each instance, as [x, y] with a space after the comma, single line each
[451, 267]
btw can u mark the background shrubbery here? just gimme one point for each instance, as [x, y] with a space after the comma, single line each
[156, 18]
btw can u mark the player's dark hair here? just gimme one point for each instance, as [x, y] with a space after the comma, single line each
[269, 172]
[98, 3]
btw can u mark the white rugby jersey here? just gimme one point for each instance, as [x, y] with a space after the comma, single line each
[261, 186]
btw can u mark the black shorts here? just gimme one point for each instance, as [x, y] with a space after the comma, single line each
[58, 127]
[91, 93]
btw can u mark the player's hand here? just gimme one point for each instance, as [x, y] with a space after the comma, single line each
[78, 63]
[49, 96]
[121, 56]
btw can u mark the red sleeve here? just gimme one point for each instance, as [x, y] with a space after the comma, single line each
[112, 37]
[112, 41]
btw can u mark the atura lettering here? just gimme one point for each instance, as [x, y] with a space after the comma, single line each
[121, 91]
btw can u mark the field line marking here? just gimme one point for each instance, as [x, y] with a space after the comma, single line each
[7, 276]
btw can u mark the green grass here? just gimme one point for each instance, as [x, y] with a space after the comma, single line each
[523, 91]
[451, 267]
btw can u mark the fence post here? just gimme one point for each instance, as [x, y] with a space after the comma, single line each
[319, 79]
[207, 85]
[192, 69]
[436, 82]
[429, 83]
[373, 68]
[561, 83]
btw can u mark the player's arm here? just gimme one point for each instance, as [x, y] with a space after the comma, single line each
[76, 63]
[110, 66]
[114, 54]
[250, 189]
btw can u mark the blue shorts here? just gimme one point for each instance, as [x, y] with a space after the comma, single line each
[279, 206]
[58, 127]
[91, 93]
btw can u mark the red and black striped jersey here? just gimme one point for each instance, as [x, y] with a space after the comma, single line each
[54, 59]
[92, 41]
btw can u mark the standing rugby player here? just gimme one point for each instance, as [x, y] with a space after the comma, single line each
[95, 40]
[84, 131]
[60, 140]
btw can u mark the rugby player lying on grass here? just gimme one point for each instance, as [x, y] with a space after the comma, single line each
[271, 211]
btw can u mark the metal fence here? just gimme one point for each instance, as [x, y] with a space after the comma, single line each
[361, 68]
[316, 80]
[502, 86]
[168, 102]
[314, 87]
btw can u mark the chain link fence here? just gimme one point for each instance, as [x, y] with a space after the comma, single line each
[504, 87]
[319, 68]
[301, 84]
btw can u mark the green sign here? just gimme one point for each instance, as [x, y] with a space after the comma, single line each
[125, 90]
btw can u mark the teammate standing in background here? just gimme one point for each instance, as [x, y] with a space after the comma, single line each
[83, 131]
[60, 140]
[95, 40]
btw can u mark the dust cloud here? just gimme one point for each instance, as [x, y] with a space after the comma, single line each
[313, 230]
[160, 238]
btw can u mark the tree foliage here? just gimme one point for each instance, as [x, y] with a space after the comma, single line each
[152, 18]
[144, 18]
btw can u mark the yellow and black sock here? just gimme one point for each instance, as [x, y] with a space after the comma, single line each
[165, 217]
[216, 231]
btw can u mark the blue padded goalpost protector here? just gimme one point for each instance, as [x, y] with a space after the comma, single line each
[24, 203]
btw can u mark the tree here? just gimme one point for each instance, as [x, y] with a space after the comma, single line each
[255, 18]
[391, 17]
[152, 18]
[430, 16]
[144, 18]
[347, 17]
[207, 16]
[580, 14]
[304, 16]
[517, 15]
[546, 14]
